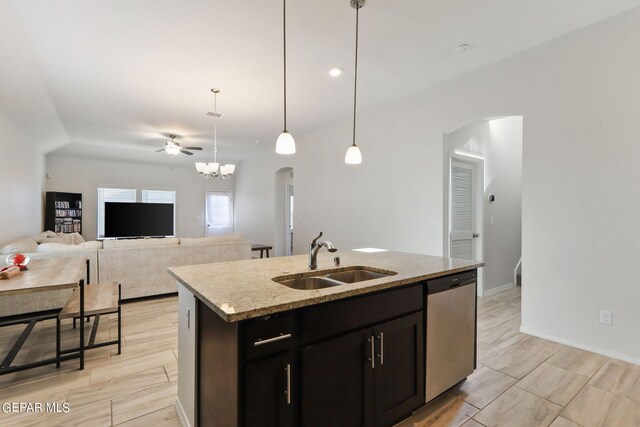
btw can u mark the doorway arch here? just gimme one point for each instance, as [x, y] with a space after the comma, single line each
[492, 146]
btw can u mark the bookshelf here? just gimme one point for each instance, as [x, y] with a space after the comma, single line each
[63, 212]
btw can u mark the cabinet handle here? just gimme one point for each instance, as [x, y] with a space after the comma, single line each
[381, 337]
[288, 391]
[373, 352]
[270, 340]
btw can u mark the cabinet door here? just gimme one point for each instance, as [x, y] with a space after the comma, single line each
[399, 369]
[337, 377]
[268, 392]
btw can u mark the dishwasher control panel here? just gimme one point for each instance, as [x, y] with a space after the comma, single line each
[453, 281]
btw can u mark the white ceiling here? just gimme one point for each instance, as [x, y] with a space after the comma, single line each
[85, 76]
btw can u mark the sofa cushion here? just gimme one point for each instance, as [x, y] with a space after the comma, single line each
[56, 247]
[199, 241]
[139, 243]
[22, 245]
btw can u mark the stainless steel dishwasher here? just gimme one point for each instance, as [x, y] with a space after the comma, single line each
[451, 331]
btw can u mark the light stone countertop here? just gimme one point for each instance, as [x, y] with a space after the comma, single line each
[240, 290]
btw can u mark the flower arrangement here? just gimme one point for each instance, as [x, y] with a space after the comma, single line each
[19, 260]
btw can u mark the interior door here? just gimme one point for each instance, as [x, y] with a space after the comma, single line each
[219, 213]
[288, 212]
[462, 205]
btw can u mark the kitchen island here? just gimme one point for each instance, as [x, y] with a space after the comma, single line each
[253, 351]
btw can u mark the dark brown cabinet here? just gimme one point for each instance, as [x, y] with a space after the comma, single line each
[337, 380]
[398, 382]
[372, 377]
[350, 363]
[268, 392]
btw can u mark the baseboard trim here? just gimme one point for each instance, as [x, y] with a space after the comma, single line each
[149, 297]
[488, 293]
[181, 414]
[581, 346]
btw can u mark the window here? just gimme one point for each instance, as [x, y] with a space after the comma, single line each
[161, 196]
[131, 196]
[158, 196]
[112, 195]
[219, 209]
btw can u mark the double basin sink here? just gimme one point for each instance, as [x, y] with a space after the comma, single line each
[330, 278]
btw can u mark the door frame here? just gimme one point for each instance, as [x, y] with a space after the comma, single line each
[478, 163]
[282, 237]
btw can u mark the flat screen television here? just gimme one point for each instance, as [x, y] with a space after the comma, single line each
[138, 219]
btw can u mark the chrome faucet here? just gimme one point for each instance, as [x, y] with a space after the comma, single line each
[315, 247]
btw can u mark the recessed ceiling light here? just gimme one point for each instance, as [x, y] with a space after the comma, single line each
[462, 47]
[335, 72]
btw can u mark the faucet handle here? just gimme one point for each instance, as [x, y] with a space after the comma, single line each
[313, 242]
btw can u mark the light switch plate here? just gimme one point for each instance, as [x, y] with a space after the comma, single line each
[605, 317]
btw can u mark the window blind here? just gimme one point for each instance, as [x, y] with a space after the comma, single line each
[220, 209]
[112, 195]
[158, 196]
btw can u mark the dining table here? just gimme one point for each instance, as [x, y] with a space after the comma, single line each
[43, 275]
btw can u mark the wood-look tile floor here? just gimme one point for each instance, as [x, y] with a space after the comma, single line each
[524, 381]
[520, 381]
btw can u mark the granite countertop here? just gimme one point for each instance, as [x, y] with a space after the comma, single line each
[240, 290]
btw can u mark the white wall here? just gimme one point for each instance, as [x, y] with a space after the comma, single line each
[580, 101]
[78, 175]
[499, 142]
[21, 183]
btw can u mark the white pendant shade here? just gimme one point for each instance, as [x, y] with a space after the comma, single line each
[207, 168]
[227, 169]
[285, 144]
[353, 156]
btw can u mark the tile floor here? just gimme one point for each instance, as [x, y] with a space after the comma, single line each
[524, 381]
[520, 381]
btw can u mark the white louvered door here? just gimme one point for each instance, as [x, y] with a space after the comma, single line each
[463, 227]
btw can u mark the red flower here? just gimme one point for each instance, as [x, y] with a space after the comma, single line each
[18, 259]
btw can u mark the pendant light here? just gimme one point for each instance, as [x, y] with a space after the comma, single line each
[285, 143]
[215, 170]
[353, 156]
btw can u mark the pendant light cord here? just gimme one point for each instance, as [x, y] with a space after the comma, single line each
[284, 39]
[355, 80]
[215, 128]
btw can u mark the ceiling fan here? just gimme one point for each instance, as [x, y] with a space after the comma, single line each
[172, 147]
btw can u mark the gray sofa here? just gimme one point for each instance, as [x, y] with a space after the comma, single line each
[139, 265]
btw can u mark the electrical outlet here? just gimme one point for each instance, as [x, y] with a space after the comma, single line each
[605, 317]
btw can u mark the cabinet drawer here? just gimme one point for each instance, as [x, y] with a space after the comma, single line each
[268, 334]
[326, 320]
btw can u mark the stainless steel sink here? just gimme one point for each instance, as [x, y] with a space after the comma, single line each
[309, 283]
[353, 276]
[330, 278]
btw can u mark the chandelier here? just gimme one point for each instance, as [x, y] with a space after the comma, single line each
[215, 170]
